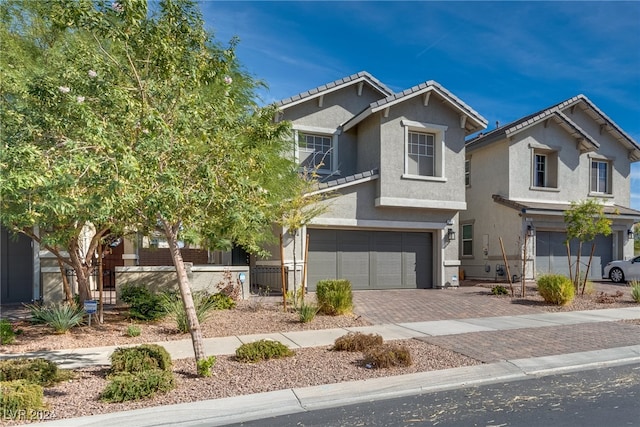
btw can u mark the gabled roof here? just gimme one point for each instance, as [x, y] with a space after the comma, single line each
[555, 112]
[362, 76]
[546, 208]
[473, 120]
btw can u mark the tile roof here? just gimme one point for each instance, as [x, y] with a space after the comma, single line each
[542, 207]
[406, 94]
[349, 180]
[556, 111]
[334, 85]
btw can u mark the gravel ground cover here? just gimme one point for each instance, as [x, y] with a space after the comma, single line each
[309, 366]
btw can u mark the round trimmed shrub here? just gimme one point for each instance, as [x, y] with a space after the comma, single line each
[141, 358]
[37, 371]
[262, 350]
[126, 386]
[556, 289]
[20, 399]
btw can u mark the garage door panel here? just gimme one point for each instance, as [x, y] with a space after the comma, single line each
[323, 245]
[551, 254]
[371, 259]
[416, 268]
[387, 263]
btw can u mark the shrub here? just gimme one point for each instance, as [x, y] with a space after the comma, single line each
[61, 317]
[635, 290]
[7, 334]
[307, 312]
[20, 399]
[499, 290]
[37, 371]
[357, 341]
[141, 358]
[143, 304]
[334, 296]
[133, 331]
[222, 301]
[126, 386]
[262, 350]
[204, 366]
[387, 356]
[556, 289]
[173, 306]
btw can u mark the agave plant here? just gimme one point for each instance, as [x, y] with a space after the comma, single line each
[61, 317]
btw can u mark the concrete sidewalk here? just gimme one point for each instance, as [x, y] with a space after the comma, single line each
[512, 347]
[456, 330]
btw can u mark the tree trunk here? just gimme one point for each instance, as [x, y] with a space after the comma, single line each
[83, 271]
[171, 233]
[65, 282]
[586, 274]
[576, 283]
[295, 277]
[569, 261]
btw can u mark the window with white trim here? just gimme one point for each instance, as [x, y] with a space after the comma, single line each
[467, 172]
[600, 177]
[316, 148]
[424, 150]
[467, 239]
[545, 169]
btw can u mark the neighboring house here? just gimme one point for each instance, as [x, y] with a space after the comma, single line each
[394, 163]
[520, 179]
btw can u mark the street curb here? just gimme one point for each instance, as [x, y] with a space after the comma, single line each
[224, 411]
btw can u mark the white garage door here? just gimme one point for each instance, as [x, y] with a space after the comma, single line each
[371, 259]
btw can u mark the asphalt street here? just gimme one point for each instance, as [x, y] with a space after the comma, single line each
[592, 398]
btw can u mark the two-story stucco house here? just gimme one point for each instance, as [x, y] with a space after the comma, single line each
[395, 165]
[521, 177]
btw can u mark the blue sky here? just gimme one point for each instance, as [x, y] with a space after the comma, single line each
[505, 59]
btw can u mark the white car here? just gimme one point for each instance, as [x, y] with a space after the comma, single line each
[621, 271]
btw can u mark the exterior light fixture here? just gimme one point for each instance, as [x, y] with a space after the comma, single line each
[451, 235]
[630, 234]
[530, 230]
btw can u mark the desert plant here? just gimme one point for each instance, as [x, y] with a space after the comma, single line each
[174, 307]
[133, 331]
[20, 399]
[143, 304]
[126, 386]
[228, 286]
[204, 366]
[61, 317]
[635, 290]
[556, 289]
[387, 356]
[222, 301]
[38, 371]
[499, 290]
[307, 312]
[262, 350]
[141, 358]
[7, 334]
[357, 341]
[334, 296]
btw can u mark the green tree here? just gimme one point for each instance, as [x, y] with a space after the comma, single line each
[585, 220]
[298, 211]
[63, 160]
[202, 157]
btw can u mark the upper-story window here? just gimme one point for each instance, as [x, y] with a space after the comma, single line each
[544, 169]
[421, 154]
[316, 148]
[467, 172]
[600, 177]
[424, 150]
